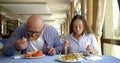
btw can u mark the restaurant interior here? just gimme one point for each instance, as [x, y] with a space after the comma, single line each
[103, 16]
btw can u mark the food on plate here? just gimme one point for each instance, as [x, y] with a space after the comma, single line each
[32, 38]
[70, 57]
[34, 53]
[38, 53]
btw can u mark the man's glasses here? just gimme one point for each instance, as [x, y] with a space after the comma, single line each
[31, 32]
[35, 32]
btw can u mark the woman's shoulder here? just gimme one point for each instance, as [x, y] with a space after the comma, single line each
[89, 34]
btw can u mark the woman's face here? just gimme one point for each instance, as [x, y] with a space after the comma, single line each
[78, 27]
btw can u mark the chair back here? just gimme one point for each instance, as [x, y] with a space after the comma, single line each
[3, 41]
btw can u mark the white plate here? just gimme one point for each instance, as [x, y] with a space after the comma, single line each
[35, 57]
[69, 60]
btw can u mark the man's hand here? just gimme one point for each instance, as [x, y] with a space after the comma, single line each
[21, 44]
[51, 50]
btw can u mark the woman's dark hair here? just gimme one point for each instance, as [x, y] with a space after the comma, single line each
[85, 24]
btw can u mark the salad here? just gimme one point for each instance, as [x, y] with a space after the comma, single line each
[70, 57]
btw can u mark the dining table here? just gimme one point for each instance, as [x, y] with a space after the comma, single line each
[53, 59]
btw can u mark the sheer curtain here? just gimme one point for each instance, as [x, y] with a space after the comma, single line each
[116, 17]
[98, 18]
[119, 3]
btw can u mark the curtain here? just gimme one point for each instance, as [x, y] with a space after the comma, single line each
[119, 4]
[98, 18]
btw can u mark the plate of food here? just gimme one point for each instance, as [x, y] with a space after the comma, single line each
[73, 57]
[34, 54]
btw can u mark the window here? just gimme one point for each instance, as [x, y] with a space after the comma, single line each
[116, 19]
[112, 27]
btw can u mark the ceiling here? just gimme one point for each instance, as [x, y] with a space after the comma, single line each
[52, 11]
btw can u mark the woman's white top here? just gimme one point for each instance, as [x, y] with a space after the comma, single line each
[79, 46]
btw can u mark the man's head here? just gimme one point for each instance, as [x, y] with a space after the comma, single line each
[35, 26]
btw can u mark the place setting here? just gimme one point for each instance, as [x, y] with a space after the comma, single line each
[72, 57]
[30, 55]
[76, 57]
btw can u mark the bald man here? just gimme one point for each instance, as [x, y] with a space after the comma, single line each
[33, 35]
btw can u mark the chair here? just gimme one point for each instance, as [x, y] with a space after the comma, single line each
[3, 41]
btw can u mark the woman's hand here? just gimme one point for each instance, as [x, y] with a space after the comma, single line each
[89, 48]
[66, 43]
